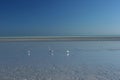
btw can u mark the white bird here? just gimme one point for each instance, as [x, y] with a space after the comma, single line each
[51, 51]
[67, 52]
[29, 53]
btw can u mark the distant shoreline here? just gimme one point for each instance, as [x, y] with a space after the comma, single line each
[59, 38]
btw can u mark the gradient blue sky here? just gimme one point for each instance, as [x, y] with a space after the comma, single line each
[59, 17]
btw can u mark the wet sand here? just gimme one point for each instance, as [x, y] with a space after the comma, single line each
[55, 72]
[92, 60]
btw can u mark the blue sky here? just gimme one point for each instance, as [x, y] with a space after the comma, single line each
[59, 17]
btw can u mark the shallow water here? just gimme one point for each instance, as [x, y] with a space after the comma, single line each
[80, 60]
